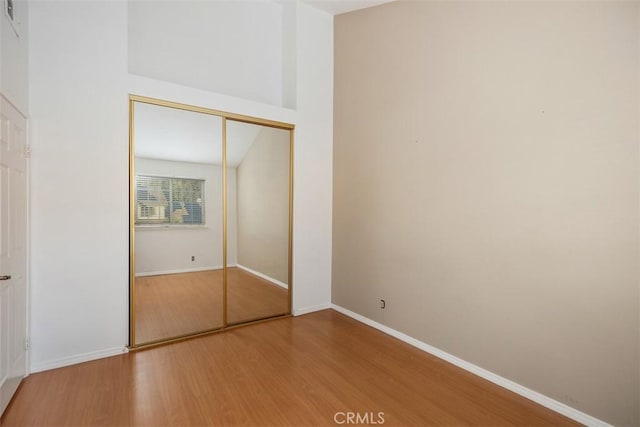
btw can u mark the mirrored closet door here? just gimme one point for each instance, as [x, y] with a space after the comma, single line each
[210, 220]
[178, 222]
[258, 172]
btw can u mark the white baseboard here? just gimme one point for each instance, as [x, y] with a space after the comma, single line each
[79, 358]
[539, 398]
[311, 309]
[263, 276]
[182, 270]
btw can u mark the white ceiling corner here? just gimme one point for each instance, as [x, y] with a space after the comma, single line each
[337, 7]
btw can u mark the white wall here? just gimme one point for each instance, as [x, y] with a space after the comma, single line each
[79, 85]
[13, 56]
[227, 47]
[169, 249]
[79, 180]
[313, 154]
[289, 54]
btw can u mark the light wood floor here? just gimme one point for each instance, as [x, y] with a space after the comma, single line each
[176, 304]
[292, 371]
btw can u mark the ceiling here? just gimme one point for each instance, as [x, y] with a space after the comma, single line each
[185, 136]
[336, 7]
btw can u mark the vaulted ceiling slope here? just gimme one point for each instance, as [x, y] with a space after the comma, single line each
[337, 7]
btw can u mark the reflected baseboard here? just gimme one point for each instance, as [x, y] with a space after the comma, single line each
[262, 276]
[177, 271]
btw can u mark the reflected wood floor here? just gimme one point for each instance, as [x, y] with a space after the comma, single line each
[170, 305]
[291, 371]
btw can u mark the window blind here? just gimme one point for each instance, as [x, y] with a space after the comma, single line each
[164, 200]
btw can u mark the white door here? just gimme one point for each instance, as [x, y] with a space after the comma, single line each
[13, 251]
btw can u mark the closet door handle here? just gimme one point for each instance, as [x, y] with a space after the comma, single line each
[5, 277]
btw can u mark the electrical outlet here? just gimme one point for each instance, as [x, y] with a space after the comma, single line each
[193, 257]
[383, 304]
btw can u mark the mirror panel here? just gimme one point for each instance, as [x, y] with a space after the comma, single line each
[258, 250]
[178, 214]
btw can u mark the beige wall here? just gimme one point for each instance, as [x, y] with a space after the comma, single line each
[263, 205]
[486, 186]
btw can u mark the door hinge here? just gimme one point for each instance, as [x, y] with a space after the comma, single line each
[27, 151]
[27, 343]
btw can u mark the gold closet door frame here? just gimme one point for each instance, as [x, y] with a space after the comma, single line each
[224, 115]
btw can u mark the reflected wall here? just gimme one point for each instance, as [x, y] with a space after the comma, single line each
[262, 178]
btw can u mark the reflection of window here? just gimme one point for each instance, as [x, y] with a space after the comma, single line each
[162, 200]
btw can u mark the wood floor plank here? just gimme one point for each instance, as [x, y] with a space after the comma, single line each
[293, 371]
[171, 305]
